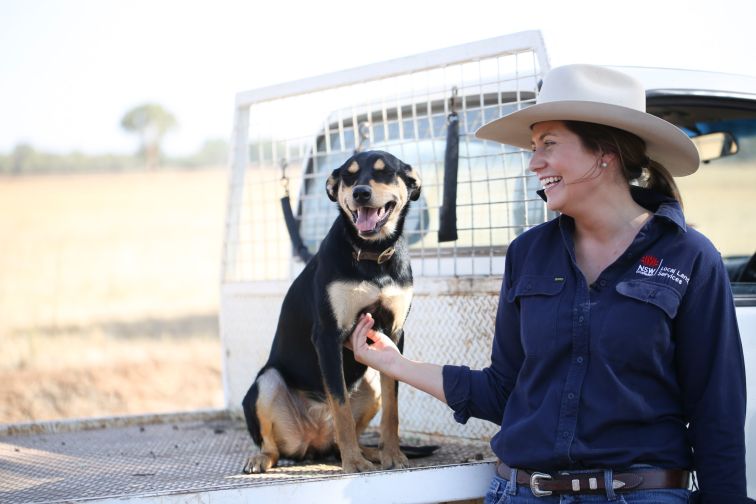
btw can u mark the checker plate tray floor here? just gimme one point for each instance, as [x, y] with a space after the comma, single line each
[161, 455]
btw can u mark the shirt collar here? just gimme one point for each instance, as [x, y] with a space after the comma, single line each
[661, 204]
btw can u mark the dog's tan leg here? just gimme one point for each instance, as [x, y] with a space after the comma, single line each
[366, 401]
[268, 455]
[280, 423]
[391, 455]
[346, 437]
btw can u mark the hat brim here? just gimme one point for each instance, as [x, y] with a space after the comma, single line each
[665, 142]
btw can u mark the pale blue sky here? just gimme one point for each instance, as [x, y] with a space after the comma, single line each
[70, 69]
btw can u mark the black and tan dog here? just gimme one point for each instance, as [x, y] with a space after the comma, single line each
[312, 397]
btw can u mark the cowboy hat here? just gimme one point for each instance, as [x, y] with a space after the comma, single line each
[603, 96]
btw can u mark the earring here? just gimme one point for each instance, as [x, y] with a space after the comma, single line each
[604, 165]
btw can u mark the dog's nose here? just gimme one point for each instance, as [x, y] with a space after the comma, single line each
[362, 193]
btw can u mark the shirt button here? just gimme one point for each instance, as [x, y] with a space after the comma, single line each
[602, 283]
[579, 360]
[565, 434]
[570, 396]
[580, 318]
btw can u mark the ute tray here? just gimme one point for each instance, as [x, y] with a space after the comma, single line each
[127, 458]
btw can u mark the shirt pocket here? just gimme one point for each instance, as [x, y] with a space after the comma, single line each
[639, 328]
[665, 298]
[538, 298]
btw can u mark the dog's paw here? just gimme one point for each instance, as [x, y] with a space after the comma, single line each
[259, 463]
[357, 464]
[393, 458]
[372, 453]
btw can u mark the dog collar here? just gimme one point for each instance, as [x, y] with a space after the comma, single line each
[361, 255]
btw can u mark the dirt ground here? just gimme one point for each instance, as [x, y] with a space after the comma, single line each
[109, 293]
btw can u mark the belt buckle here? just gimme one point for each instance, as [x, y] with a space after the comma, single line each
[535, 481]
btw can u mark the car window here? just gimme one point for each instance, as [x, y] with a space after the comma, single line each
[719, 198]
[496, 198]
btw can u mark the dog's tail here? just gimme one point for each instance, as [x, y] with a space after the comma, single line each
[411, 451]
[249, 405]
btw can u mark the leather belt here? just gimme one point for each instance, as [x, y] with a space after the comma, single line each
[566, 482]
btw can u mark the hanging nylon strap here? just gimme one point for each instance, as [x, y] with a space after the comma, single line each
[292, 226]
[447, 228]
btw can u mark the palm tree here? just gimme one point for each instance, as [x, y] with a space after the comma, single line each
[151, 122]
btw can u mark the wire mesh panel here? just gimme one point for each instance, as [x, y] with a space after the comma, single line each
[306, 135]
[302, 131]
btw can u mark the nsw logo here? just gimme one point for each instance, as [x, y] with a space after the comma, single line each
[649, 265]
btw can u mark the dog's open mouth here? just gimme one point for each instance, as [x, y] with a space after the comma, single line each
[370, 220]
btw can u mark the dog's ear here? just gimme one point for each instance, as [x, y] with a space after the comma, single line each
[412, 179]
[332, 184]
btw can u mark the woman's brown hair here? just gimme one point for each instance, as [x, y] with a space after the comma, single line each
[631, 152]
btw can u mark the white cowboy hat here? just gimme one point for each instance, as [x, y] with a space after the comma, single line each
[599, 95]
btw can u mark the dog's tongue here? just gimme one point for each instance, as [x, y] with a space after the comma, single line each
[367, 218]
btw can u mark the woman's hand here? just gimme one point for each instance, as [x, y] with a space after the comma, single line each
[382, 355]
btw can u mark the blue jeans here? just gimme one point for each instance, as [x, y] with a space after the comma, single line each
[502, 491]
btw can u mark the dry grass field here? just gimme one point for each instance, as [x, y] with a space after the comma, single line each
[109, 293]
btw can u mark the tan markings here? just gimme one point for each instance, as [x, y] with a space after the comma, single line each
[415, 175]
[297, 423]
[379, 164]
[346, 437]
[349, 298]
[354, 167]
[382, 194]
[391, 455]
[331, 190]
[366, 399]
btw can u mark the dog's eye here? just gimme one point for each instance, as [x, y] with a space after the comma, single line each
[348, 178]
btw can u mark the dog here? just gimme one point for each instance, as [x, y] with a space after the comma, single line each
[312, 399]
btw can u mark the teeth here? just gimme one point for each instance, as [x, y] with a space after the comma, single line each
[547, 182]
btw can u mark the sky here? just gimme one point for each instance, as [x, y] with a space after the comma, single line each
[70, 69]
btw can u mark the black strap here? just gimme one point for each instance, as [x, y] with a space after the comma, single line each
[447, 228]
[292, 226]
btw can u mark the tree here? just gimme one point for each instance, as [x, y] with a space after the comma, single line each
[213, 152]
[22, 158]
[151, 122]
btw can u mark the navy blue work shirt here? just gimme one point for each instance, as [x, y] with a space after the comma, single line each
[645, 366]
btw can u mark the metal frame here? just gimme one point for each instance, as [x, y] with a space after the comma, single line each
[476, 51]
[456, 285]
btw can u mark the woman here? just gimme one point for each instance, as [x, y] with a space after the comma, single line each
[616, 365]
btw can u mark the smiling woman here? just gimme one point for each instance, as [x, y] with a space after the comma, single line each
[614, 302]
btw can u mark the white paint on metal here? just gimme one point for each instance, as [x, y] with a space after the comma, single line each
[512, 43]
[412, 486]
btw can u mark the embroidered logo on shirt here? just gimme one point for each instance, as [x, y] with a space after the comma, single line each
[650, 261]
[652, 266]
[649, 265]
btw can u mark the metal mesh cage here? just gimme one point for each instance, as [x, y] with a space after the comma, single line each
[306, 132]
[306, 129]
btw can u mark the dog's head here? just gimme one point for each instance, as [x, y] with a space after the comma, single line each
[373, 189]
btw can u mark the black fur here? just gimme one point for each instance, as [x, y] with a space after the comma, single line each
[308, 349]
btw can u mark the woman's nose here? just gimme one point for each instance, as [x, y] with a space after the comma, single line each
[536, 161]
